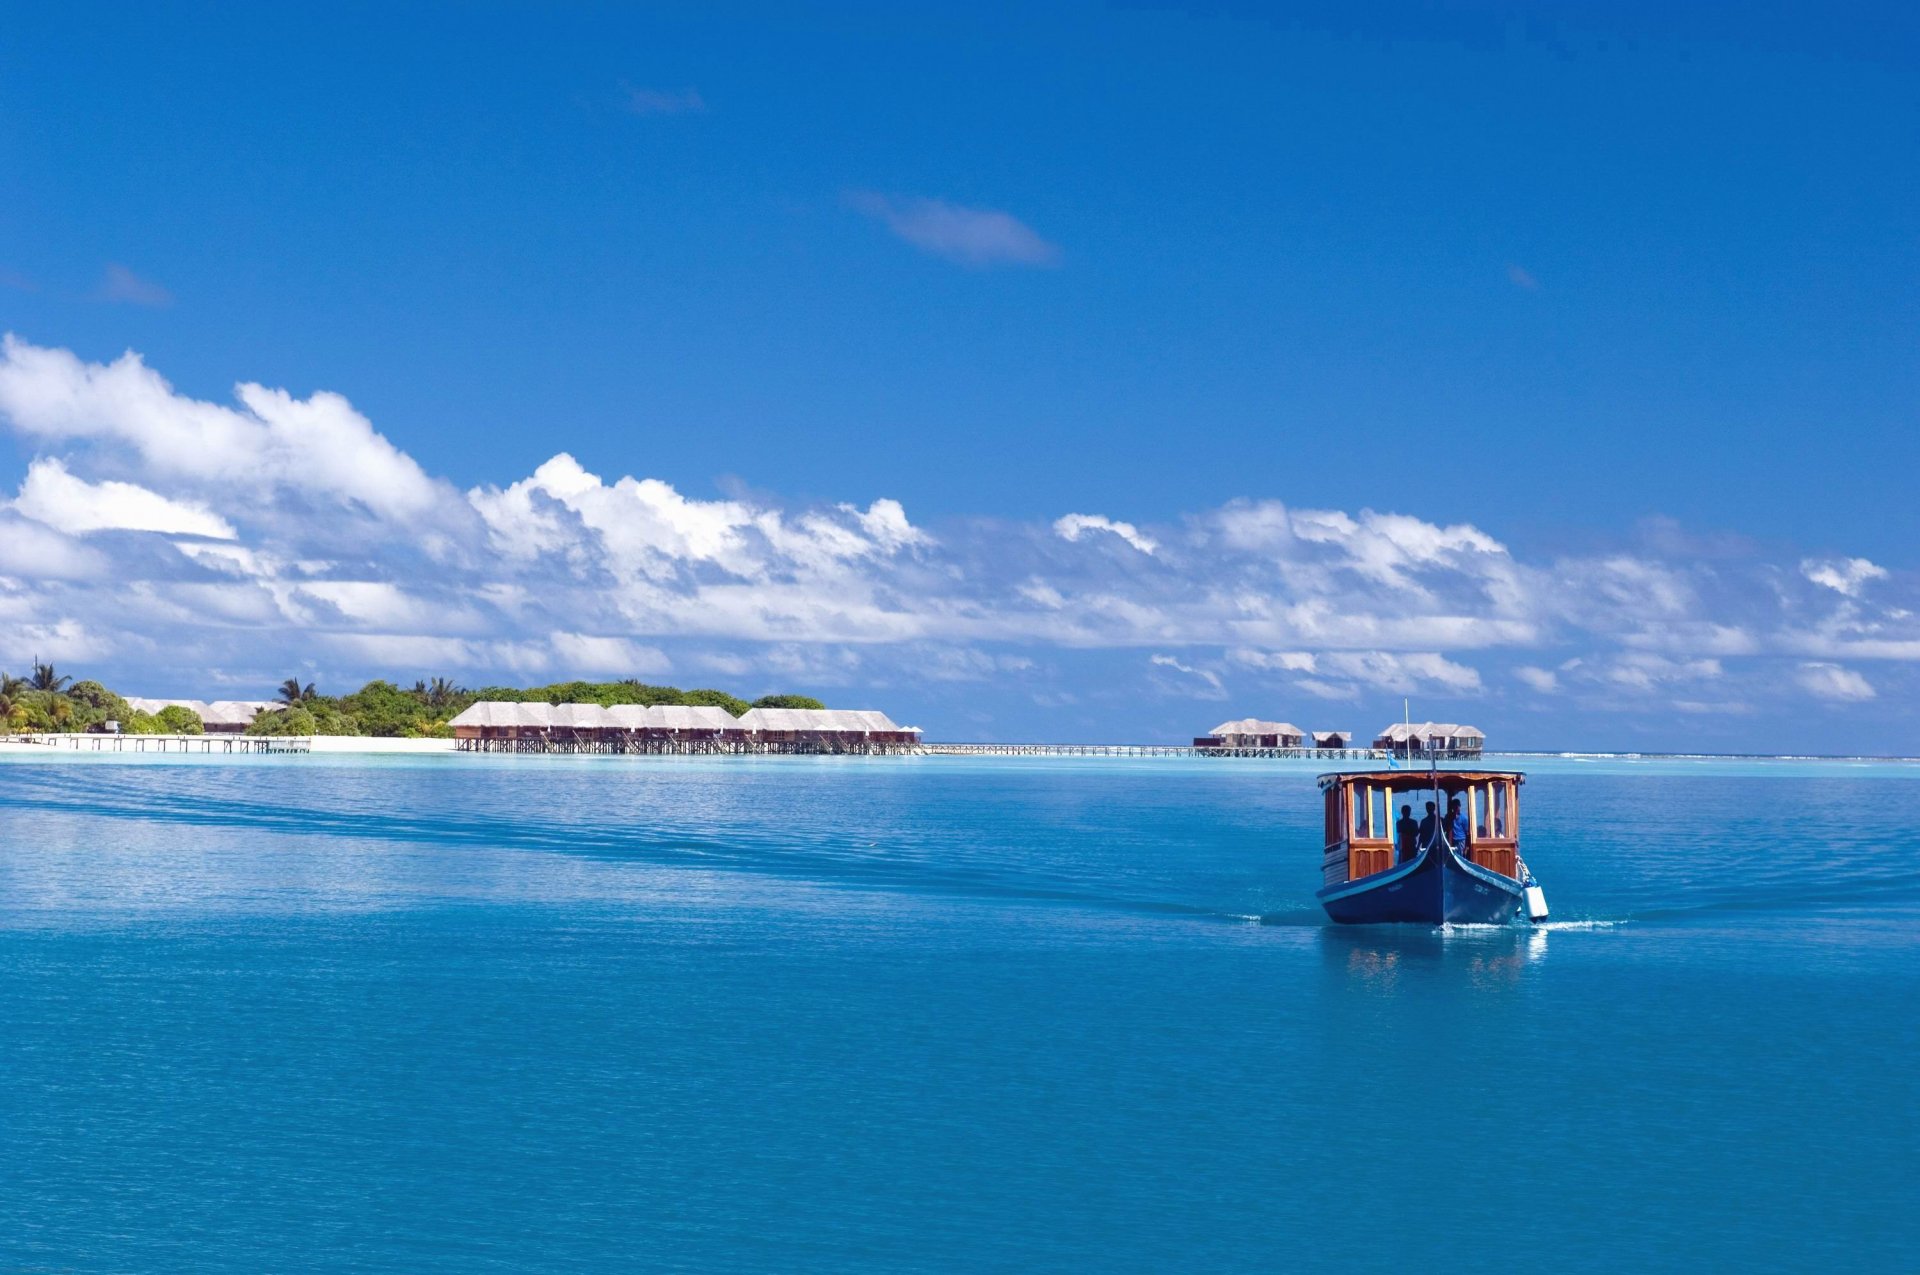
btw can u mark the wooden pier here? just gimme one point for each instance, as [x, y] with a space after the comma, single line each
[210, 744]
[1146, 750]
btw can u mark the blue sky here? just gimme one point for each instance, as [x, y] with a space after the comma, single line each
[1555, 368]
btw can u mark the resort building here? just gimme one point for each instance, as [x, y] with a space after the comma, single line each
[1333, 739]
[1251, 732]
[1431, 739]
[219, 717]
[507, 726]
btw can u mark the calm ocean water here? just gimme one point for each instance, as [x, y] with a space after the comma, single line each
[573, 1014]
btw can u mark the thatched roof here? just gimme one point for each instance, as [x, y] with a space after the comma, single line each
[690, 717]
[496, 714]
[579, 716]
[1254, 726]
[1420, 732]
[499, 713]
[221, 712]
[835, 721]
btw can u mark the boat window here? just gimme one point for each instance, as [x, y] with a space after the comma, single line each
[1372, 812]
[1490, 809]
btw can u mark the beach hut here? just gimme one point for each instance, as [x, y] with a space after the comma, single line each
[221, 717]
[504, 720]
[1436, 739]
[1252, 732]
[690, 724]
[584, 722]
[232, 716]
[1333, 739]
[824, 729]
[627, 721]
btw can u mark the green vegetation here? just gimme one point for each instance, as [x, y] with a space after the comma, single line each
[47, 700]
[786, 701]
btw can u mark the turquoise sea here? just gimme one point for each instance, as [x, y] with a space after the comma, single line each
[938, 1014]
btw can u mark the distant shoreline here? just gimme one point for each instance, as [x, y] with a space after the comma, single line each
[376, 744]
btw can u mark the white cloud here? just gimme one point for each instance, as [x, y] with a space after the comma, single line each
[609, 655]
[1283, 661]
[1400, 673]
[564, 569]
[1540, 679]
[317, 445]
[1071, 527]
[1167, 661]
[1846, 576]
[36, 551]
[1833, 682]
[970, 236]
[55, 497]
[1345, 674]
[1647, 671]
[54, 642]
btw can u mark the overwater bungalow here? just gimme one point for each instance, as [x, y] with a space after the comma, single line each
[1431, 740]
[1251, 732]
[505, 726]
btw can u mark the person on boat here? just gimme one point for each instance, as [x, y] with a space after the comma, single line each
[1406, 835]
[1428, 834]
[1457, 824]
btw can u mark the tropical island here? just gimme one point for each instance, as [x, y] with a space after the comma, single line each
[46, 701]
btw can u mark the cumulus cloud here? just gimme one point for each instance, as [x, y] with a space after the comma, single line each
[1845, 576]
[1834, 682]
[970, 236]
[317, 445]
[228, 546]
[55, 497]
[1071, 527]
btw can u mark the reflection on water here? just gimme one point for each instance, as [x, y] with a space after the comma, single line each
[1387, 958]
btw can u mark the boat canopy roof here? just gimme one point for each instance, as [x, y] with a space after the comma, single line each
[1414, 780]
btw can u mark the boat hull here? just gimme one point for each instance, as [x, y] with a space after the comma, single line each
[1437, 888]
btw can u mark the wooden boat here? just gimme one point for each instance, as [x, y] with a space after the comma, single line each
[1371, 875]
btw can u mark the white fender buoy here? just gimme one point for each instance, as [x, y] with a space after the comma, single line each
[1536, 903]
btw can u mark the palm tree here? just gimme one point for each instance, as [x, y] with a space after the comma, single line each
[291, 692]
[11, 686]
[45, 679]
[441, 692]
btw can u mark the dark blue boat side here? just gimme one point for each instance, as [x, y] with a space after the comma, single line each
[1437, 888]
[1460, 865]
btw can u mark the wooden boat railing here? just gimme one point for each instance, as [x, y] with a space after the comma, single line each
[1360, 822]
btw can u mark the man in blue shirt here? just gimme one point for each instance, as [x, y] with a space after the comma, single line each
[1457, 825]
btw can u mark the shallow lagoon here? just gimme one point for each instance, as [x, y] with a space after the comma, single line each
[456, 1013]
